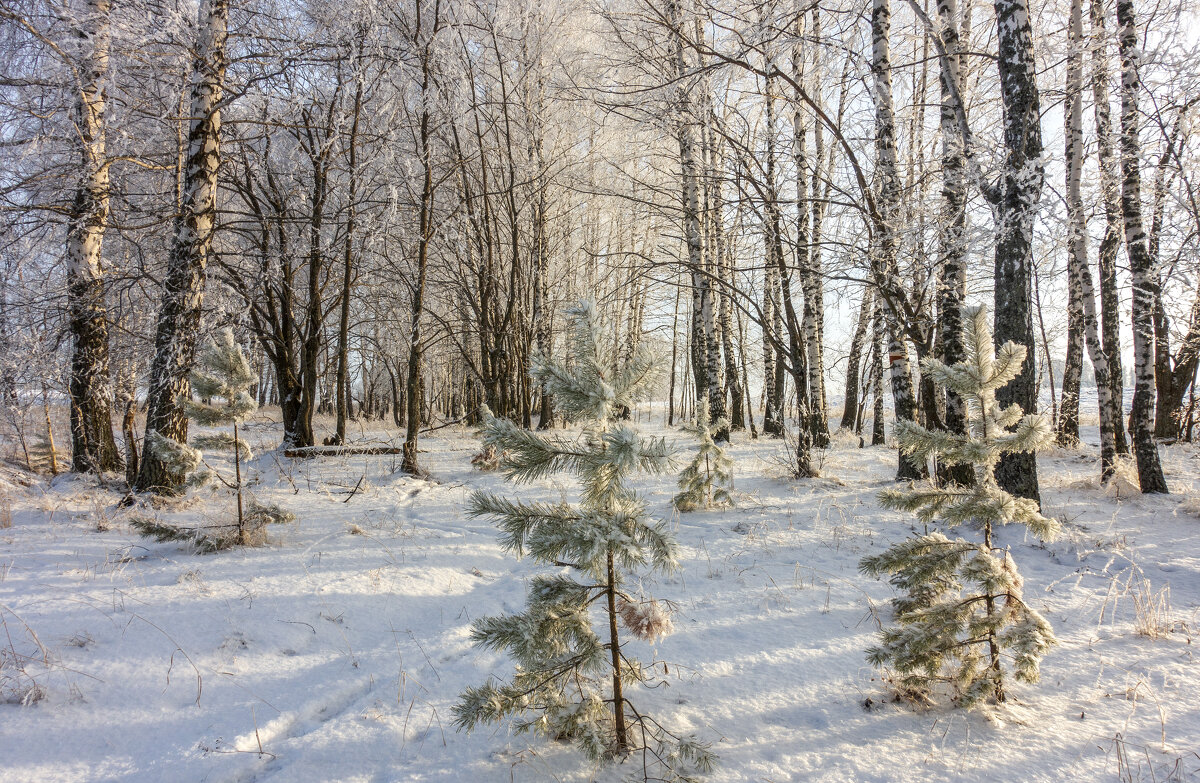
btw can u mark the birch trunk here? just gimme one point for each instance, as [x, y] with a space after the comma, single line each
[93, 446]
[778, 290]
[1068, 419]
[772, 331]
[414, 384]
[810, 283]
[885, 248]
[725, 273]
[850, 410]
[702, 312]
[1015, 208]
[814, 292]
[952, 270]
[1110, 190]
[1083, 290]
[1141, 266]
[541, 283]
[877, 331]
[183, 289]
[714, 368]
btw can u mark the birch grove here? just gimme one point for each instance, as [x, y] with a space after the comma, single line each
[391, 206]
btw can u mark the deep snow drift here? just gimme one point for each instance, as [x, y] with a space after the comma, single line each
[335, 652]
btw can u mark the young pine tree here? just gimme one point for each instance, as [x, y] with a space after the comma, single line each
[222, 381]
[707, 479]
[962, 619]
[570, 683]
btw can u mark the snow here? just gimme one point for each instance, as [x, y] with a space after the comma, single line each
[335, 652]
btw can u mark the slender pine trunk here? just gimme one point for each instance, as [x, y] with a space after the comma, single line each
[614, 645]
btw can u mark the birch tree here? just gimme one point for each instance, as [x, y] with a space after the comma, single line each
[1082, 299]
[952, 269]
[1110, 245]
[689, 167]
[1015, 202]
[1141, 267]
[885, 241]
[93, 447]
[183, 289]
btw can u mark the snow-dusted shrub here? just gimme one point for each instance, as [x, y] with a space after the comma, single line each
[962, 618]
[568, 683]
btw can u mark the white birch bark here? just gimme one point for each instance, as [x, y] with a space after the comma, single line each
[1015, 209]
[810, 283]
[685, 130]
[1077, 247]
[952, 267]
[1141, 266]
[183, 290]
[93, 447]
[884, 263]
[1110, 191]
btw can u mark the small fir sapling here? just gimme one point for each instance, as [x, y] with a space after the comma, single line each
[962, 619]
[568, 683]
[222, 380]
[707, 479]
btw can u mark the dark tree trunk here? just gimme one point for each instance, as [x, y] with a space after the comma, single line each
[854, 364]
[413, 386]
[342, 396]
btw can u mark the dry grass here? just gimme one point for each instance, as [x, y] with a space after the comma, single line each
[6, 519]
[1124, 482]
[23, 661]
[1190, 506]
[1152, 615]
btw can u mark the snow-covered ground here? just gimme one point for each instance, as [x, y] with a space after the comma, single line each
[336, 652]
